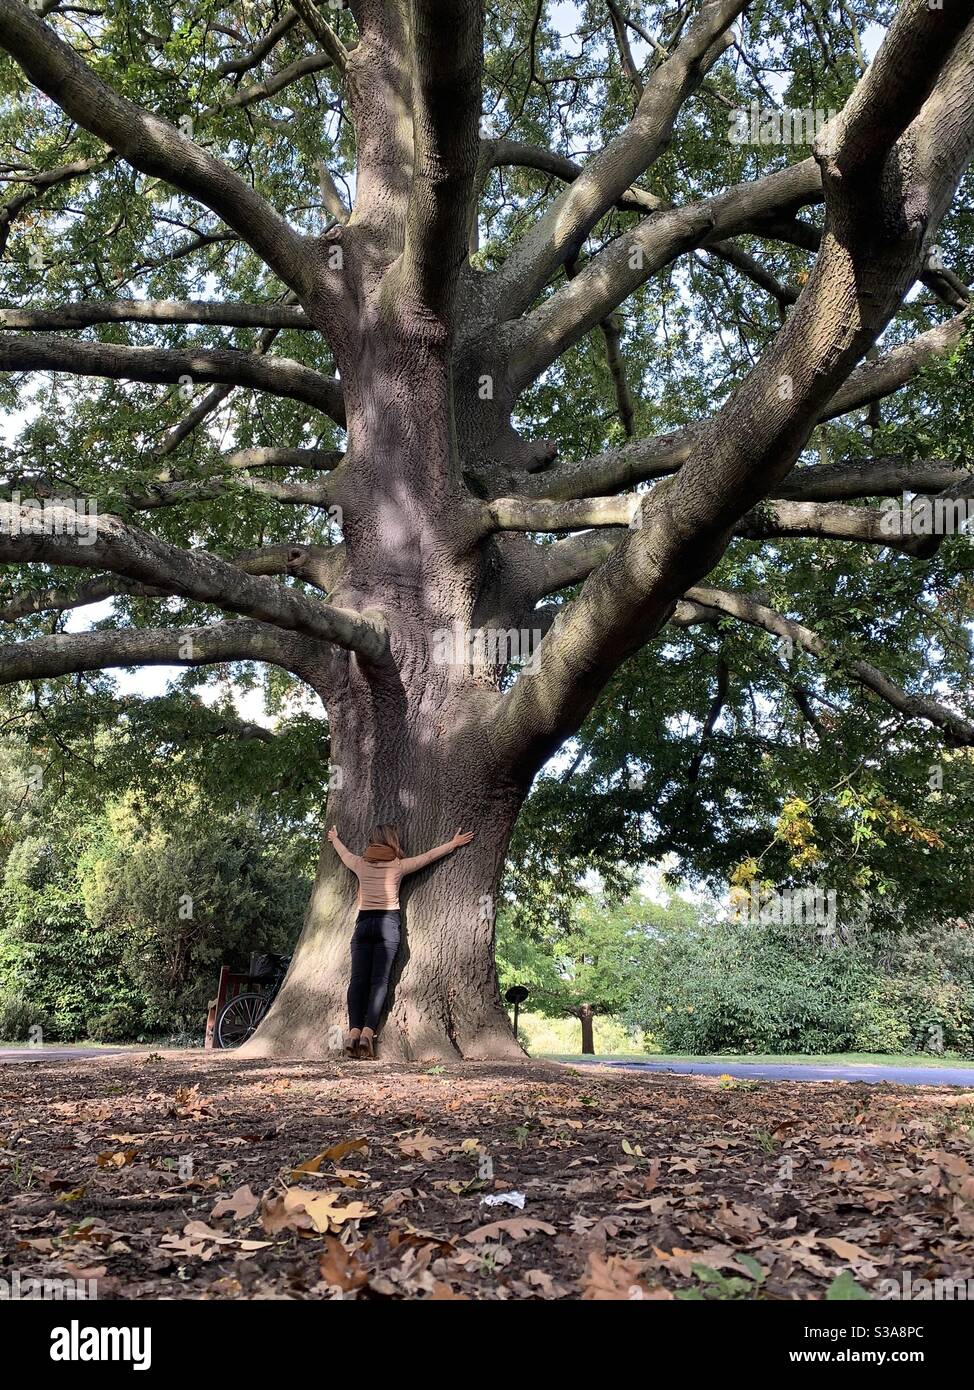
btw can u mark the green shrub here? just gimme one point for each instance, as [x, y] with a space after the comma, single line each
[119, 1023]
[879, 1025]
[18, 1018]
[753, 987]
[95, 929]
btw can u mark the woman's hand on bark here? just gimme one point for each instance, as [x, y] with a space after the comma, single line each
[333, 834]
[462, 837]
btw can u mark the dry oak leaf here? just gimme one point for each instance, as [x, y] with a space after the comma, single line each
[714, 1257]
[240, 1204]
[517, 1227]
[541, 1280]
[337, 1151]
[422, 1145]
[600, 1228]
[350, 1177]
[116, 1160]
[199, 1231]
[188, 1101]
[398, 1199]
[615, 1279]
[284, 1212]
[326, 1215]
[89, 1231]
[953, 1164]
[653, 1204]
[341, 1268]
[181, 1245]
[300, 1209]
[738, 1219]
[797, 1249]
[845, 1249]
[412, 1236]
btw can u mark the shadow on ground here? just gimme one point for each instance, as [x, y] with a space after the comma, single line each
[204, 1175]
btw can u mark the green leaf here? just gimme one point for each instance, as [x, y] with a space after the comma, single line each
[844, 1289]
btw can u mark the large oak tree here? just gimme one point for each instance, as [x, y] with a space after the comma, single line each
[407, 282]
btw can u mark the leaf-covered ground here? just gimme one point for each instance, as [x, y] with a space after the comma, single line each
[189, 1175]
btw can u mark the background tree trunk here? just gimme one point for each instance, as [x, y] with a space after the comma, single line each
[585, 1013]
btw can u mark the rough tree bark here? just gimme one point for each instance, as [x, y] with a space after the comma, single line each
[437, 489]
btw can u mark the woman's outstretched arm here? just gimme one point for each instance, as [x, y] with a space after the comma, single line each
[419, 861]
[344, 853]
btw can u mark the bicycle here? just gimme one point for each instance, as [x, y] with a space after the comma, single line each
[240, 1016]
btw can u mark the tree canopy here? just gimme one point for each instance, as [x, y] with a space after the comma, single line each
[635, 327]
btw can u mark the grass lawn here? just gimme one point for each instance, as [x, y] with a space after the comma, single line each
[826, 1059]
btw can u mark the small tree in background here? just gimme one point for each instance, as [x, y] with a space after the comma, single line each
[589, 965]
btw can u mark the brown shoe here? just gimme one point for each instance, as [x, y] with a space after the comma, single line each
[366, 1048]
[351, 1043]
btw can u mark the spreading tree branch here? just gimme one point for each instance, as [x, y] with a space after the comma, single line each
[65, 653]
[646, 459]
[149, 143]
[560, 232]
[38, 184]
[83, 313]
[316, 564]
[537, 339]
[916, 706]
[279, 376]
[106, 543]
[233, 67]
[879, 223]
[873, 477]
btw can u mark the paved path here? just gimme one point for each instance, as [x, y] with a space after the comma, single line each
[57, 1054]
[797, 1071]
[756, 1071]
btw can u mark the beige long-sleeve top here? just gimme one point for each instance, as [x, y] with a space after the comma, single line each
[378, 884]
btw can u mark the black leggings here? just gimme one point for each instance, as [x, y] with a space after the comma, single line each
[374, 947]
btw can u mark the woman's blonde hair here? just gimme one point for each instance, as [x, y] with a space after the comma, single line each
[384, 845]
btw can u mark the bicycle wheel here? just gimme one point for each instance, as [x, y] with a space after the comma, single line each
[239, 1019]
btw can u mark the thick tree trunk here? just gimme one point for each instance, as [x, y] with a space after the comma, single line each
[586, 1016]
[410, 738]
[444, 1000]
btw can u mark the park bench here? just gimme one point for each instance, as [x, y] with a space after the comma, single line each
[251, 993]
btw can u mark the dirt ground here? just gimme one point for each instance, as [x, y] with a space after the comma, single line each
[191, 1175]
